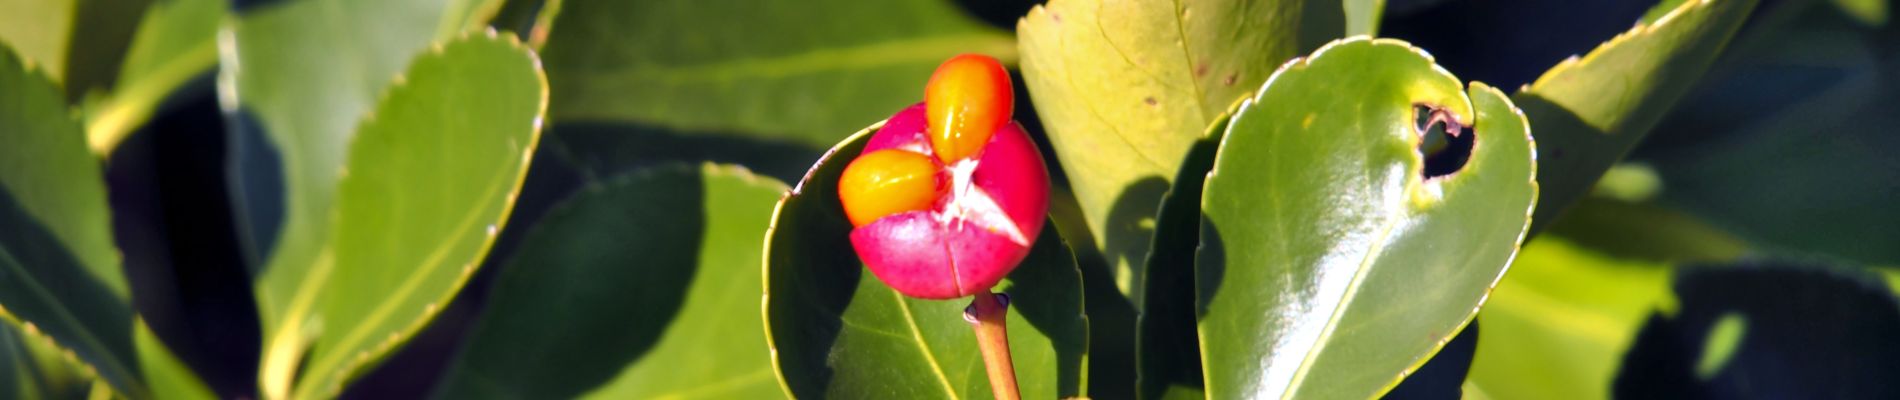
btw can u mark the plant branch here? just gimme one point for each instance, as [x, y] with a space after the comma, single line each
[987, 314]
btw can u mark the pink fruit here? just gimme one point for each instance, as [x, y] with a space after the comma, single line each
[974, 233]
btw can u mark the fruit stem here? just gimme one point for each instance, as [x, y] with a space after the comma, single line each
[986, 313]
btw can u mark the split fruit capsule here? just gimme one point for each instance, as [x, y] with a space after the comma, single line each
[945, 207]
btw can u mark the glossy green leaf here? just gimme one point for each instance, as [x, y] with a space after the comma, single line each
[59, 268]
[432, 175]
[838, 332]
[299, 75]
[1126, 87]
[175, 42]
[1589, 112]
[800, 71]
[170, 377]
[1329, 265]
[642, 287]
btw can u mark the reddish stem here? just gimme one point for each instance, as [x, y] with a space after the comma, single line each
[987, 315]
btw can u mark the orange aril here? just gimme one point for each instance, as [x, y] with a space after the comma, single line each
[967, 100]
[890, 181]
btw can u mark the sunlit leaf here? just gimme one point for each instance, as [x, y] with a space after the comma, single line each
[1330, 264]
[1126, 87]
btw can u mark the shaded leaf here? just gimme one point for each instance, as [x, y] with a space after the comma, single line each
[1556, 326]
[1443, 376]
[1807, 109]
[800, 71]
[643, 286]
[433, 173]
[1824, 333]
[1645, 232]
[170, 377]
[1324, 269]
[1126, 87]
[1169, 348]
[836, 331]
[32, 367]
[175, 43]
[59, 269]
[1589, 112]
[298, 75]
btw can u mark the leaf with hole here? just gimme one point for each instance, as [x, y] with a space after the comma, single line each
[836, 331]
[578, 310]
[1126, 87]
[460, 125]
[1336, 256]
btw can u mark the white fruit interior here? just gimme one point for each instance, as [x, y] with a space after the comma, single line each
[969, 202]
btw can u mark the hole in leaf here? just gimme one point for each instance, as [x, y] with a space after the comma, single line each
[1447, 143]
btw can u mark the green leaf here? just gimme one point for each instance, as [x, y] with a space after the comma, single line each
[1362, 16]
[79, 43]
[1557, 325]
[1126, 87]
[59, 268]
[33, 367]
[299, 75]
[644, 286]
[170, 377]
[39, 31]
[431, 177]
[1645, 232]
[1168, 347]
[838, 332]
[1325, 269]
[800, 71]
[1804, 108]
[1589, 112]
[1870, 12]
[1728, 338]
[175, 43]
